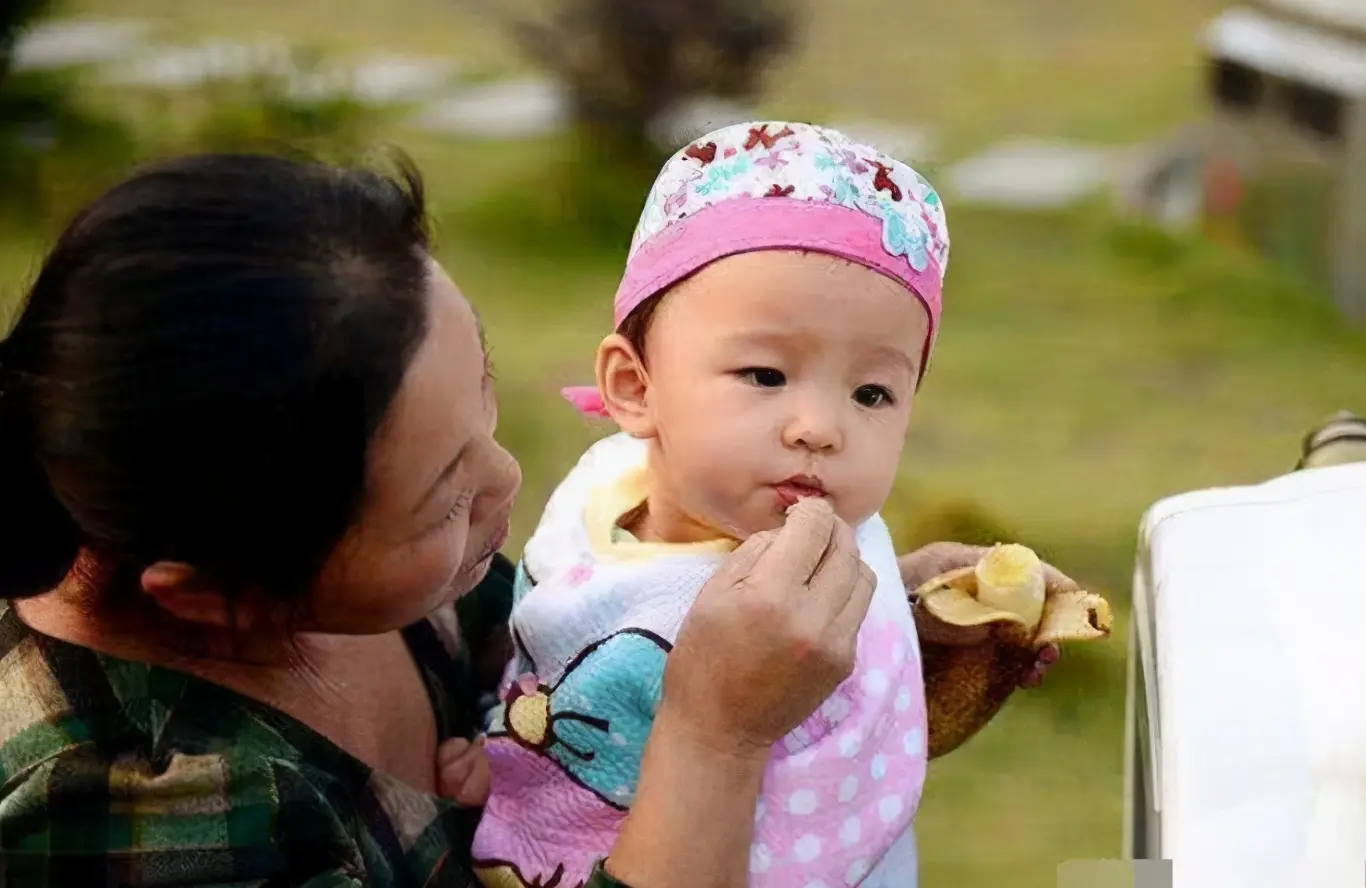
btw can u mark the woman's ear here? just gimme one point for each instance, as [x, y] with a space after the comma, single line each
[625, 386]
[178, 590]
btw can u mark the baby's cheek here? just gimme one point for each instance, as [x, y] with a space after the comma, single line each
[735, 510]
[855, 513]
[721, 496]
[721, 466]
[862, 498]
[879, 462]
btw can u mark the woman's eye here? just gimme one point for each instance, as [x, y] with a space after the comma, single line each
[873, 396]
[460, 506]
[764, 377]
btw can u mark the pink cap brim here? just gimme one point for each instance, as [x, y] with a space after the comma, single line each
[746, 224]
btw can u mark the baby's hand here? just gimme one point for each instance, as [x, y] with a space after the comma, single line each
[462, 771]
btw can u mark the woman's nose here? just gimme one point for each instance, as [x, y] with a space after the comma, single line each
[505, 480]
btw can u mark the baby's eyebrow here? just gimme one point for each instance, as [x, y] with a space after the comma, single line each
[897, 355]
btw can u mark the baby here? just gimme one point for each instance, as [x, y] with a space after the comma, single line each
[780, 302]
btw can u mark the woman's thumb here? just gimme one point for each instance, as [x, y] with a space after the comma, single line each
[743, 560]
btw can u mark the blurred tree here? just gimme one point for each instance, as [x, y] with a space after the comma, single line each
[14, 15]
[51, 149]
[626, 62]
[626, 65]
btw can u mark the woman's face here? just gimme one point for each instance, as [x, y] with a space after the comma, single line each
[440, 488]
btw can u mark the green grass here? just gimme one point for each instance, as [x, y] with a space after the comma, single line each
[1087, 368]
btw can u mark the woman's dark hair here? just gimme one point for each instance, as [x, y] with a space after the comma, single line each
[200, 366]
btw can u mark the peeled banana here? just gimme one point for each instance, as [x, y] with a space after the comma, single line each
[981, 629]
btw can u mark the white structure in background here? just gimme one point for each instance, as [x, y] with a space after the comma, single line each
[1246, 735]
[1035, 174]
[189, 67]
[71, 43]
[1349, 14]
[693, 119]
[1287, 144]
[913, 145]
[397, 79]
[376, 79]
[506, 110]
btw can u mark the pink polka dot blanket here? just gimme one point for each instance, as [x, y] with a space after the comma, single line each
[593, 631]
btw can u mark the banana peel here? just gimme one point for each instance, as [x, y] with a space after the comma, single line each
[981, 628]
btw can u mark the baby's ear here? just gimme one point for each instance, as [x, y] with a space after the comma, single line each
[625, 385]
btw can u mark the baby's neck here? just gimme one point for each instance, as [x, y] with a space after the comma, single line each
[657, 520]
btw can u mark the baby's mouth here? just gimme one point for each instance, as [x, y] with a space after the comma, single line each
[797, 488]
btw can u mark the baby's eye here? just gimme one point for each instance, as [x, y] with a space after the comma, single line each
[764, 377]
[874, 396]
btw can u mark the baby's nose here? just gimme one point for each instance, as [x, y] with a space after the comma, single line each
[816, 428]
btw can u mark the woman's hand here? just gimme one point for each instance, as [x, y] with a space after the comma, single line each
[462, 771]
[769, 638]
[930, 561]
[772, 634]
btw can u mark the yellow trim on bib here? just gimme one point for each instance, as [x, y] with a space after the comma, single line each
[607, 505]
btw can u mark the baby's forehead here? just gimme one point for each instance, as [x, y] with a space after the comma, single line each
[784, 283]
[794, 297]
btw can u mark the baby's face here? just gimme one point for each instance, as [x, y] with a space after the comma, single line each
[775, 375]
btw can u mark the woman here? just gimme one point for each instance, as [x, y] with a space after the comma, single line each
[247, 430]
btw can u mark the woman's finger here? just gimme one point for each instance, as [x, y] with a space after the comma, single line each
[929, 561]
[801, 544]
[474, 790]
[451, 779]
[830, 587]
[833, 578]
[456, 771]
[850, 618]
[1056, 581]
[740, 563]
[451, 751]
[1043, 661]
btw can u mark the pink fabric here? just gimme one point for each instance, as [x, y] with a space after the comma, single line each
[744, 224]
[587, 399]
[847, 783]
[542, 823]
[838, 792]
[693, 243]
